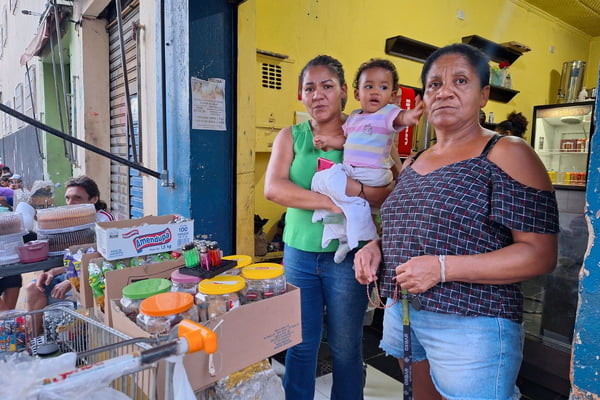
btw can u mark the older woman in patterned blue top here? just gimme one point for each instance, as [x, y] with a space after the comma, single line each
[469, 218]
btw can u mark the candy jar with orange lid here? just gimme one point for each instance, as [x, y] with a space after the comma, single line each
[161, 312]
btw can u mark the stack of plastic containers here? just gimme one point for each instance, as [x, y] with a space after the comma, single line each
[12, 230]
[66, 226]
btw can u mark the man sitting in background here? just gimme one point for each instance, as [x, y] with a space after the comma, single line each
[53, 285]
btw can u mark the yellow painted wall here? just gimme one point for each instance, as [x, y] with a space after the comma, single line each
[591, 78]
[356, 31]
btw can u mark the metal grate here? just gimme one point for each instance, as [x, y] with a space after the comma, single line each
[271, 76]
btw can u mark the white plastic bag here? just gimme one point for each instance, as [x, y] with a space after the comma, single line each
[182, 390]
[22, 375]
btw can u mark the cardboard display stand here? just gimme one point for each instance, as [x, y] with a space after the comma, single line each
[246, 335]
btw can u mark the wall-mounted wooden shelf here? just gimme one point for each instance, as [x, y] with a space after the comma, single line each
[502, 94]
[496, 52]
[404, 47]
[411, 49]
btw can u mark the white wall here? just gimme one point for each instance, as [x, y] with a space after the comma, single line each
[16, 32]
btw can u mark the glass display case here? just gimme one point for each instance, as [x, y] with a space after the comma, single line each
[561, 136]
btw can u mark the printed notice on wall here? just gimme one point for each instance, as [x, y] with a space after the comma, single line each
[208, 104]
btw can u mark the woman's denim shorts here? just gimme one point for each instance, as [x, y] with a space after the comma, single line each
[470, 358]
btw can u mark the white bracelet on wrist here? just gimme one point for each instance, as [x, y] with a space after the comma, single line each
[442, 259]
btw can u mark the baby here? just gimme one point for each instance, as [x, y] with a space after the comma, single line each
[368, 154]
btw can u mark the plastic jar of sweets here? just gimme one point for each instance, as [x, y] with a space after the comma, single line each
[161, 312]
[135, 293]
[184, 282]
[242, 261]
[218, 295]
[263, 280]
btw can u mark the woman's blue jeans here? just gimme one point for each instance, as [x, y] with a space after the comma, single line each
[326, 285]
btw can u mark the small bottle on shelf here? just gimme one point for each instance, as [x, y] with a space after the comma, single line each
[583, 95]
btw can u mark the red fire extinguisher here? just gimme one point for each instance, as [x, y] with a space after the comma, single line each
[405, 136]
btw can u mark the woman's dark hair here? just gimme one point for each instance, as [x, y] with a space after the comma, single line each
[515, 122]
[330, 63]
[89, 185]
[478, 60]
[504, 127]
[377, 63]
[518, 122]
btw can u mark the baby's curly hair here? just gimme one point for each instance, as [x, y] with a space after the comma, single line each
[377, 63]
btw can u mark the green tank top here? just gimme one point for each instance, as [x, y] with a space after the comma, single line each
[300, 232]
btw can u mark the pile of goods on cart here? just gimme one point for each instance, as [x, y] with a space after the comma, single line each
[143, 277]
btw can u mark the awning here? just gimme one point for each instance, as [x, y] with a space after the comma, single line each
[45, 30]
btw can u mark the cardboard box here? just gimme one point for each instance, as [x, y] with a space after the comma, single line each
[117, 280]
[247, 335]
[138, 237]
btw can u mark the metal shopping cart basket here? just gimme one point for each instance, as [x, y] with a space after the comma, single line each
[130, 364]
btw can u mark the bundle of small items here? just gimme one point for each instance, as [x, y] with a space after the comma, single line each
[98, 268]
[15, 331]
[203, 258]
[157, 304]
[72, 263]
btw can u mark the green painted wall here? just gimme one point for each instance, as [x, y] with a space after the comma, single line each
[57, 165]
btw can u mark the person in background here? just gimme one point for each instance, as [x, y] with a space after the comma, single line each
[16, 182]
[9, 291]
[10, 286]
[20, 193]
[369, 152]
[84, 190]
[53, 285]
[6, 197]
[323, 283]
[514, 125]
[5, 181]
[468, 220]
[6, 171]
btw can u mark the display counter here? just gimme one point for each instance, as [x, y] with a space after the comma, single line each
[550, 301]
[20, 268]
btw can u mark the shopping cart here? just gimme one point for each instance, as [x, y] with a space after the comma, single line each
[129, 366]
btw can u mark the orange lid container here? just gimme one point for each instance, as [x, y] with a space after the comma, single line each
[163, 304]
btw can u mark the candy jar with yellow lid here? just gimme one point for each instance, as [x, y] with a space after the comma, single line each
[218, 295]
[161, 312]
[136, 292]
[242, 261]
[263, 280]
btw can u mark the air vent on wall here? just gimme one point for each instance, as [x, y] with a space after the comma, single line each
[271, 76]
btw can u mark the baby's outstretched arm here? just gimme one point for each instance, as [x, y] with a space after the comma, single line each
[329, 142]
[411, 116]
